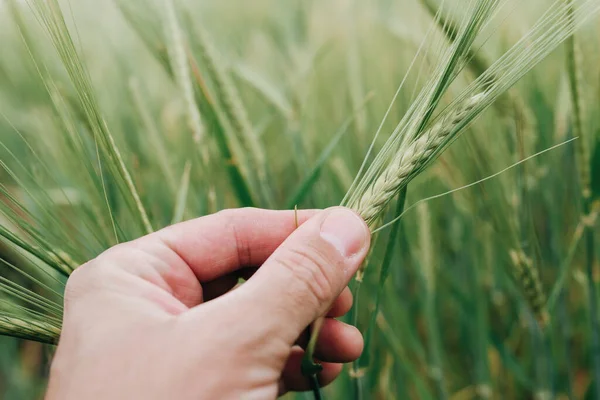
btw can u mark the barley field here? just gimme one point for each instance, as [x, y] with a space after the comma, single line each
[465, 132]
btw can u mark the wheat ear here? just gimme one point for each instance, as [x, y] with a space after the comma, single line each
[410, 160]
[31, 330]
[528, 278]
[235, 111]
[576, 83]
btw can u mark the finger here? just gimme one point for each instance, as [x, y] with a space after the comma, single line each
[342, 304]
[338, 342]
[177, 258]
[304, 276]
[132, 268]
[221, 243]
[224, 284]
[293, 380]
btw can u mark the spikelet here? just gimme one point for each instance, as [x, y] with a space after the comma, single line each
[32, 330]
[528, 279]
[583, 150]
[507, 105]
[181, 70]
[408, 161]
[574, 62]
[65, 261]
[229, 96]
[235, 110]
[525, 120]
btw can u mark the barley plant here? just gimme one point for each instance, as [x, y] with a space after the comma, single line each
[465, 132]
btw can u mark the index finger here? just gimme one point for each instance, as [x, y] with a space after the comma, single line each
[224, 242]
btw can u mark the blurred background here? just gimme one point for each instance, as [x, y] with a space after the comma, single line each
[309, 83]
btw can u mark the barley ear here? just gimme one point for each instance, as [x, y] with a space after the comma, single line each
[408, 162]
[528, 278]
[29, 329]
[574, 62]
[236, 112]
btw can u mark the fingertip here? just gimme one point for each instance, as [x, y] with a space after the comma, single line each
[307, 273]
[346, 231]
[339, 342]
[342, 304]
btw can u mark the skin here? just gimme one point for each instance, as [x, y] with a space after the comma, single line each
[161, 317]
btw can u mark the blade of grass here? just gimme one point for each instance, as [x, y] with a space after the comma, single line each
[182, 194]
[50, 14]
[305, 187]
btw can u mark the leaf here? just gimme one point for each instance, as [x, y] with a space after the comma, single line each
[595, 184]
[306, 185]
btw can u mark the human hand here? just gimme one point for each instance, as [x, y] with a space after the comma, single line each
[156, 318]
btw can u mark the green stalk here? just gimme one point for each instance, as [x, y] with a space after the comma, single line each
[593, 298]
[213, 116]
[427, 273]
[435, 345]
[564, 268]
[481, 326]
[309, 368]
[395, 345]
[363, 362]
[584, 163]
[215, 120]
[304, 188]
[543, 362]
[356, 373]
[236, 113]
[562, 315]
[52, 17]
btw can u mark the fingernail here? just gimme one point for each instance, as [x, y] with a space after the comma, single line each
[346, 231]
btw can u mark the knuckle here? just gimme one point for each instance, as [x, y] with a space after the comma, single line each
[232, 214]
[309, 269]
[118, 251]
[78, 281]
[86, 277]
[123, 256]
[228, 220]
[226, 214]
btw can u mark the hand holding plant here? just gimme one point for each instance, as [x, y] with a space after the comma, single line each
[157, 317]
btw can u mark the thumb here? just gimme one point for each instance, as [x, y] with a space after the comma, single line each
[304, 276]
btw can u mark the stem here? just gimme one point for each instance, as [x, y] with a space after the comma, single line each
[564, 269]
[355, 375]
[542, 362]
[315, 388]
[565, 332]
[435, 345]
[356, 372]
[562, 315]
[309, 368]
[364, 360]
[593, 299]
[583, 164]
[427, 272]
[480, 273]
